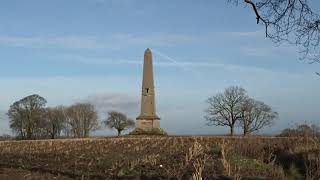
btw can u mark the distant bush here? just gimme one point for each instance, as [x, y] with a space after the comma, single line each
[301, 130]
[5, 137]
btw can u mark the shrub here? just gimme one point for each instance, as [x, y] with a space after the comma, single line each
[302, 130]
[5, 137]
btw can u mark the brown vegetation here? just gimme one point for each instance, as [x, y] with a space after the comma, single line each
[203, 157]
[302, 130]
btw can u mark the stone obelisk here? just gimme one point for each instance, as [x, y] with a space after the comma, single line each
[148, 118]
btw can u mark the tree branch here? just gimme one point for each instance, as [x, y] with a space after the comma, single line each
[258, 17]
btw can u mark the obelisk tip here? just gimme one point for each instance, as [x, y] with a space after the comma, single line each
[147, 50]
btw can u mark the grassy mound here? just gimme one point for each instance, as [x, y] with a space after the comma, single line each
[153, 131]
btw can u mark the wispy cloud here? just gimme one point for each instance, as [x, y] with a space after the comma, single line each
[98, 60]
[161, 39]
[256, 51]
[77, 42]
[120, 40]
[268, 51]
[244, 34]
[164, 61]
[113, 41]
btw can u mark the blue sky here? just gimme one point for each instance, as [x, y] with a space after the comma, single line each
[92, 50]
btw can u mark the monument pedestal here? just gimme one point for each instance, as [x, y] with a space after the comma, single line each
[147, 124]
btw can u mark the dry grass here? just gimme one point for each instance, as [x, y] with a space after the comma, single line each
[189, 157]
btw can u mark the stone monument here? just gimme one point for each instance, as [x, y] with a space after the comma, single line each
[148, 121]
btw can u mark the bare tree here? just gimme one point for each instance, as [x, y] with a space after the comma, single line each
[255, 116]
[66, 130]
[82, 119]
[291, 21]
[26, 116]
[55, 120]
[118, 121]
[225, 108]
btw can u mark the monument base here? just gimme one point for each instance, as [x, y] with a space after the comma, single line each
[148, 127]
[152, 132]
[147, 124]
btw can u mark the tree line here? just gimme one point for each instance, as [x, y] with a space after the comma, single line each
[31, 119]
[302, 130]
